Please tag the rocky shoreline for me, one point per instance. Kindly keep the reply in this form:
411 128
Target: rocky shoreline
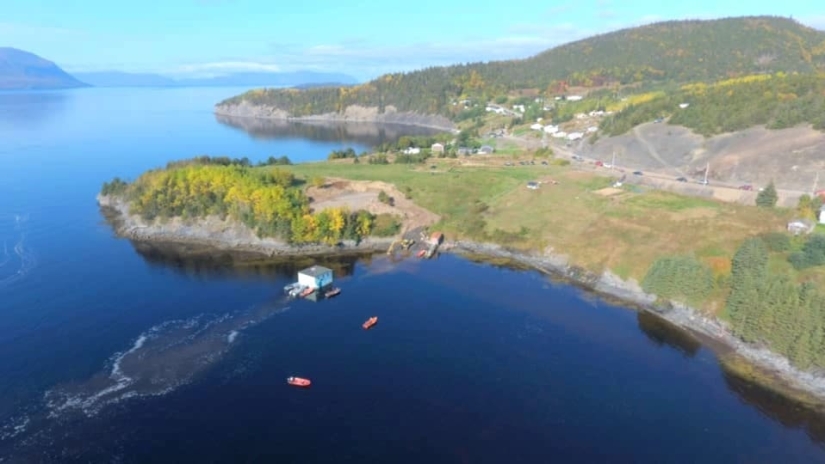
352 113
219 234
215 233
683 316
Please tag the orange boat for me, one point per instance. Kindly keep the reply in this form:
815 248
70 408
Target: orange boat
307 292
421 253
370 322
298 382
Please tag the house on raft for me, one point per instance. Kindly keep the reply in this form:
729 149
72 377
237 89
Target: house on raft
318 277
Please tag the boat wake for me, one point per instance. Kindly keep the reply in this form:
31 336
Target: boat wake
158 361
16 259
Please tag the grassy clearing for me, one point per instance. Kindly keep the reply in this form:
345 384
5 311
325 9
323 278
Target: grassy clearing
624 232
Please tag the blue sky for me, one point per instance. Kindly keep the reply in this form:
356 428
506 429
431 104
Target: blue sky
361 37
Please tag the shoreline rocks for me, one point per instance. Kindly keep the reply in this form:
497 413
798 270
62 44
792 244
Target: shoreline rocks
352 113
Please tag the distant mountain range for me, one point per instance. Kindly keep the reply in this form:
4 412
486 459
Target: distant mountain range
21 70
285 79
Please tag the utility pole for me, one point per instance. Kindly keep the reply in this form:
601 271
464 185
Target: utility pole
613 163
816 181
707 168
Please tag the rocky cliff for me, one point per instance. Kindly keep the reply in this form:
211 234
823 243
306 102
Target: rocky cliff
352 113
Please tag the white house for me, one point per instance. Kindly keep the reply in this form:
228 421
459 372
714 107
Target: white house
822 215
519 108
437 148
411 151
551 129
559 134
592 129
574 136
801 226
574 98
684 105
315 277
537 126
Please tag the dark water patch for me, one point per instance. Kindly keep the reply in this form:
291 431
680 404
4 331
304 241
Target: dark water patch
792 413
203 262
361 133
663 333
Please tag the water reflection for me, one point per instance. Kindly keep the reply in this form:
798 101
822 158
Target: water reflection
203 263
780 408
663 333
27 110
363 133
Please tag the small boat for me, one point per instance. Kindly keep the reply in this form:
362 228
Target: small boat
307 292
298 382
370 322
421 253
332 292
289 288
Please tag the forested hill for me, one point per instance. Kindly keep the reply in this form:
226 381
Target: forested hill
680 51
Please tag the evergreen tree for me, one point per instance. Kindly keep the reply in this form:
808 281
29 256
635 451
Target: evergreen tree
767 197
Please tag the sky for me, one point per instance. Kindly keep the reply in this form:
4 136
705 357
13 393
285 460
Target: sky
363 38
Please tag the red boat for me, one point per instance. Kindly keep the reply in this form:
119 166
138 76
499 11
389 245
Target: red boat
370 322
421 253
298 382
307 292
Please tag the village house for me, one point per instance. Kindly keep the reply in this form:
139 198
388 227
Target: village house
486 150
822 214
532 185
411 151
801 226
437 148
464 151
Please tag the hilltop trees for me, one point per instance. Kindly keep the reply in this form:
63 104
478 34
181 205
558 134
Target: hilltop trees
267 199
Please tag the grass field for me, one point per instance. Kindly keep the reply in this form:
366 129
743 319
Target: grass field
623 231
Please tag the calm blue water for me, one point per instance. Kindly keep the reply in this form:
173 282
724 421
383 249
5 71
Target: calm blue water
110 353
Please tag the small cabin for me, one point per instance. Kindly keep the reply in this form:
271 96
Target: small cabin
315 277
436 238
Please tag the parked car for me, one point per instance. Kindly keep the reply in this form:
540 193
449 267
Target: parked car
637 173
746 187
702 181
577 157
599 163
544 163
681 179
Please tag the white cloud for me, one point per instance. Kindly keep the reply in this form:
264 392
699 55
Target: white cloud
222 67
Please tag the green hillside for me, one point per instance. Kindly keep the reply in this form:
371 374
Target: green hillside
777 101
674 51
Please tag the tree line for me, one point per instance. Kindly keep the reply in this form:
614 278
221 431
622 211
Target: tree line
765 304
777 101
267 199
675 51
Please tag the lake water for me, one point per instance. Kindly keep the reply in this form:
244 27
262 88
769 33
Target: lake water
116 353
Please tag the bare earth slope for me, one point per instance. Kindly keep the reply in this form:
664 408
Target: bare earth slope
791 157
